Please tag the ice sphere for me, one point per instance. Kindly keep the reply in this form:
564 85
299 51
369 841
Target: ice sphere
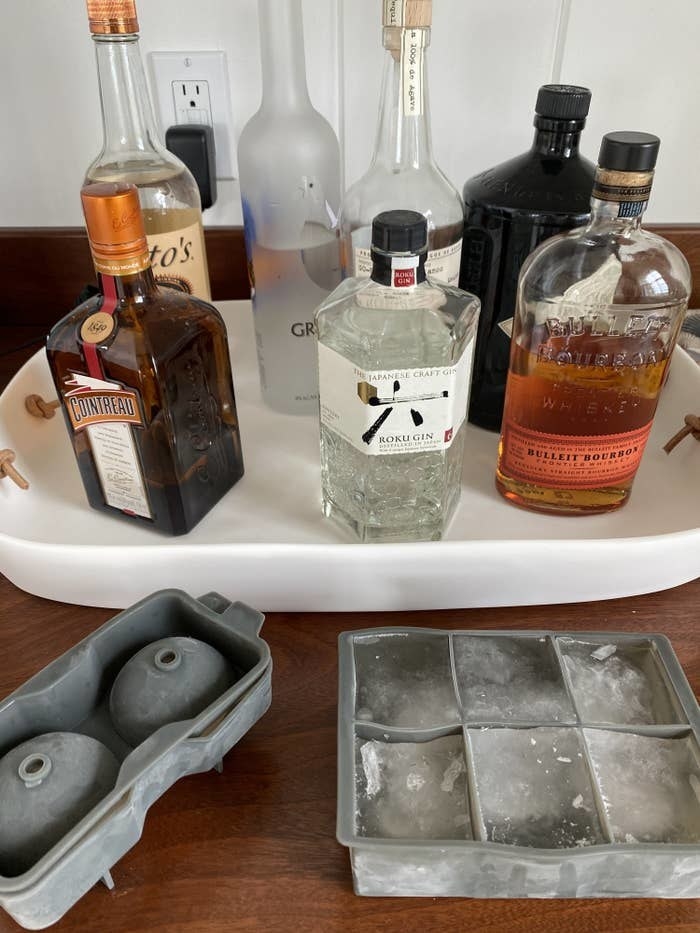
405 680
616 684
649 786
533 788
410 790
501 678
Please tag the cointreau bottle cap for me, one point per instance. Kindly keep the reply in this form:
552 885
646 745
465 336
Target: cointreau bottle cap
115 227
563 102
112 17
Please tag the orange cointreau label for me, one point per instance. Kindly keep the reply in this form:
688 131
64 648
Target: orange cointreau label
571 462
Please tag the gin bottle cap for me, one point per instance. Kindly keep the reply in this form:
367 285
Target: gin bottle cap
400 232
563 102
115 227
629 152
112 17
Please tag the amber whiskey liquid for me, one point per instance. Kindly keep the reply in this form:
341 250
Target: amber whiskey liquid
577 415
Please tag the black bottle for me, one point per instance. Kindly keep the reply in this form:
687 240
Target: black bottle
509 210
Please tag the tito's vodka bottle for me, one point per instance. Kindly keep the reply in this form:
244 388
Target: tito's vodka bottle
145 380
509 210
394 354
132 153
403 174
289 163
599 310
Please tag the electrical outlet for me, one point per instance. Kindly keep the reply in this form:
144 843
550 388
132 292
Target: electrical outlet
193 87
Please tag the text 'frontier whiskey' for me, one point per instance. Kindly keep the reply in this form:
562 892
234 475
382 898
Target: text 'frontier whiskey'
599 310
395 354
145 380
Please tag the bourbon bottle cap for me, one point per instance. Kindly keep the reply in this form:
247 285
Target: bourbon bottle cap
115 227
112 17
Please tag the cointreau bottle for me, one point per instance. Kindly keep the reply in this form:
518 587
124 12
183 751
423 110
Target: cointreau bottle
145 380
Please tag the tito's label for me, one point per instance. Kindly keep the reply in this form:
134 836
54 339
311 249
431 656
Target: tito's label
107 412
178 259
398 411
571 462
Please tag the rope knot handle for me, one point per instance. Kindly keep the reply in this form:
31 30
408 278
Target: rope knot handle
7 458
39 407
692 427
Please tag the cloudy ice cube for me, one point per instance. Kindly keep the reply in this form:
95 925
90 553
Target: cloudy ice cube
534 794
405 680
412 790
649 786
623 686
501 678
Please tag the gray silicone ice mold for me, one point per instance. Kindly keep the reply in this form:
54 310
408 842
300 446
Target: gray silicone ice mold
517 764
72 695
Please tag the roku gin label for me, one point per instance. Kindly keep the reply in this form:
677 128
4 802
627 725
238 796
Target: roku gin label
396 411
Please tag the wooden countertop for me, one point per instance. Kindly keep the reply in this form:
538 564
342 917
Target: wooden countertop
254 848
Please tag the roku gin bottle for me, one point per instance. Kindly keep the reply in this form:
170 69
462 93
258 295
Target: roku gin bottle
395 354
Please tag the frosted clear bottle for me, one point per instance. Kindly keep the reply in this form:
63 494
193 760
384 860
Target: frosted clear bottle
403 174
289 167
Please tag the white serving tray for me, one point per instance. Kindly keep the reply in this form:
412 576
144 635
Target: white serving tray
267 544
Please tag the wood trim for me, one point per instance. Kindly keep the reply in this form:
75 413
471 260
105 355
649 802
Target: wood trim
44 269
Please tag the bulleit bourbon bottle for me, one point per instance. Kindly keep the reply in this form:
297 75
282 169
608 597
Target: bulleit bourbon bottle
145 380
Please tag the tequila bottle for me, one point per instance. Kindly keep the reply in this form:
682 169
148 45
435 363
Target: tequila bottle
403 173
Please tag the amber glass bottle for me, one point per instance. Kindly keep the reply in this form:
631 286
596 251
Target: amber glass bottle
145 380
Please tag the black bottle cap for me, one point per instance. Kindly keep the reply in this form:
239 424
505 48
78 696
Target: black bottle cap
563 102
629 152
400 232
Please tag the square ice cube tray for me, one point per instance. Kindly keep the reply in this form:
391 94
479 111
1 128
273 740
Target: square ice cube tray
517 764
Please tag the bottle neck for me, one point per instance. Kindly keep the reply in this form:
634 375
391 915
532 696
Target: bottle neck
282 55
403 134
619 199
398 270
127 116
557 138
131 288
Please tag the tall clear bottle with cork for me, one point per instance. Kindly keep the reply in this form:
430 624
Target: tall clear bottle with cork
403 173
598 313
132 152
289 166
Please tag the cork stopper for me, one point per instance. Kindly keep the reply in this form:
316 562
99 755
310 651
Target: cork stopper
408 14
112 17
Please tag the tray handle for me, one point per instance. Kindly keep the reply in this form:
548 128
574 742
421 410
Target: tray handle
238 615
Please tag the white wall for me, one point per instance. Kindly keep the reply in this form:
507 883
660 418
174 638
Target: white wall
487 59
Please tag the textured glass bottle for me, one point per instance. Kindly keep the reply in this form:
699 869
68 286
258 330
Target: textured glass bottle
599 311
395 355
402 174
132 152
145 380
509 210
289 165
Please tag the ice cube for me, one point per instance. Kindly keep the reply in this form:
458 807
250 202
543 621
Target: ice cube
534 795
647 785
412 790
503 678
621 686
405 680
